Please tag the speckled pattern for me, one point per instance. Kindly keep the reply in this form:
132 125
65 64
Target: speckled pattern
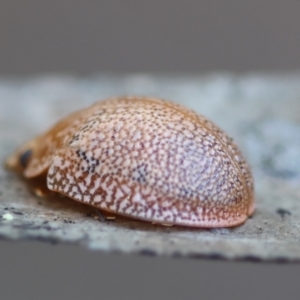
146 158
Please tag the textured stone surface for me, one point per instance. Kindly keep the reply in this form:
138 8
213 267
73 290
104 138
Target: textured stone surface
261 113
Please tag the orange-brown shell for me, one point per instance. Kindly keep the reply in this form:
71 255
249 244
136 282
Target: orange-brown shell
147 159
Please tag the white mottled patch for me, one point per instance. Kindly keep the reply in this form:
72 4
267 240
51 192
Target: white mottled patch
78 174
101 136
119 194
152 197
66 188
103 204
113 207
148 213
86 198
58 176
88 180
137 135
82 187
155 206
118 126
77 197
97 198
111 151
188 134
137 198
57 161
146 190
166 203
75 189
199 210
189 125
51 171
66 164
184 215
98 152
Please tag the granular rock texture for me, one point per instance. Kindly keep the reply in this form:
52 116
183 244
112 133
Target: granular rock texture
260 112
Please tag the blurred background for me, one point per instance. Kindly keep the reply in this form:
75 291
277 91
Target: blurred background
148 36
161 36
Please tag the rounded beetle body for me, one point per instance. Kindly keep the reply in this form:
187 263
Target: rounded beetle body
144 158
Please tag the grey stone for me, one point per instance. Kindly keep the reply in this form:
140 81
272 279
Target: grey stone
260 111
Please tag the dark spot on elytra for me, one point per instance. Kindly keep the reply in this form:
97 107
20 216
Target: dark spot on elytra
183 192
92 161
74 138
25 157
141 173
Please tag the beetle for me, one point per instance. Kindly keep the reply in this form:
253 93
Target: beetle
144 158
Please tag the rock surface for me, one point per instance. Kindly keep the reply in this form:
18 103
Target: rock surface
262 114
